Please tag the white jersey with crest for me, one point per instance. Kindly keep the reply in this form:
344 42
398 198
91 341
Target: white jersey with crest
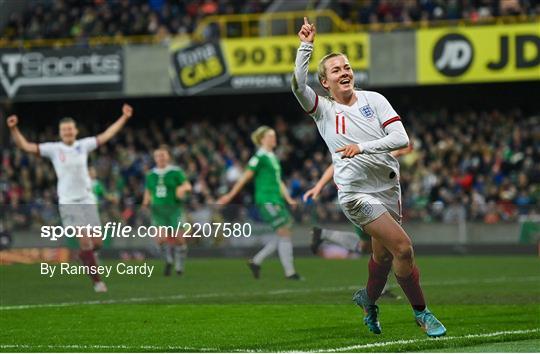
71 166
370 122
364 121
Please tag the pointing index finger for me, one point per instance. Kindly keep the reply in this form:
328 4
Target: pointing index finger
306 21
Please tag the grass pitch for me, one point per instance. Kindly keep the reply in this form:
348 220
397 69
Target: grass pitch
486 303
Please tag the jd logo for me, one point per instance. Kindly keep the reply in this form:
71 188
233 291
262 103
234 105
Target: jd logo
453 54
521 42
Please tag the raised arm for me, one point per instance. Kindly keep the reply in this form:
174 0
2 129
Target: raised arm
246 177
304 94
316 190
19 139
110 132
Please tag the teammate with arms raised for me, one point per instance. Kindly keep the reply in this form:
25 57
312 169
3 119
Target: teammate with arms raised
270 197
165 188
360 129
77 203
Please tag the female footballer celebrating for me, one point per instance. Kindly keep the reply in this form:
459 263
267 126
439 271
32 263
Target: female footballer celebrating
69 156
361 129
270 197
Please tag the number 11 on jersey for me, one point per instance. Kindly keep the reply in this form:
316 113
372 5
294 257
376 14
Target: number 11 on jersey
340 118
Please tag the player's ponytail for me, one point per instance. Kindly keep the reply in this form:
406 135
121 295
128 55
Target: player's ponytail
258 134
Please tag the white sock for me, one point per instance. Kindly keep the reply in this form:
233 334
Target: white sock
267 250
346 239
180 254
285 251
167 253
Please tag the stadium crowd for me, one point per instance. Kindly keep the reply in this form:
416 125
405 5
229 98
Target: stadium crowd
45 19
460 167
406 11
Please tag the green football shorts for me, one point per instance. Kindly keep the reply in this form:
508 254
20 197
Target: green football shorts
275 214
166 215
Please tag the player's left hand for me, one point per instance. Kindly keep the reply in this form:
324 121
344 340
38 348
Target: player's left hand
127 110
349 151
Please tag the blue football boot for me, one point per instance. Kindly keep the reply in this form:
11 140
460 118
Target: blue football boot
429 323
371 310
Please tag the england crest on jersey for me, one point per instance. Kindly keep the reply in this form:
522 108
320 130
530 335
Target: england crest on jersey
367 111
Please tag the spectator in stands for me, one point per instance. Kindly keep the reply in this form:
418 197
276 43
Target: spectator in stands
68 18
80 20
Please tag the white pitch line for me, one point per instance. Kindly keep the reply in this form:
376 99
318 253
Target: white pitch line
414 341
329 350
246 294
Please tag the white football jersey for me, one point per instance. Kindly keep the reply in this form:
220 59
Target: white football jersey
71 166
364 121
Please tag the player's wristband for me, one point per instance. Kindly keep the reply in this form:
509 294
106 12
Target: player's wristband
361 148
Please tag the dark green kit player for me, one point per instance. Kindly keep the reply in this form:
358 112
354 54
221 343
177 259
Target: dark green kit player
270 198
165 188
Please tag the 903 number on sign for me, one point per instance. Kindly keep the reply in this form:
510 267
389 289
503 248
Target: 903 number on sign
273 55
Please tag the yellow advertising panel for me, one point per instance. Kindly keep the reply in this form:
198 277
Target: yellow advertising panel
275 55
478 54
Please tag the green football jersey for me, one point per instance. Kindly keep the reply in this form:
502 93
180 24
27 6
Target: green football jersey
267 177
162 184
98 188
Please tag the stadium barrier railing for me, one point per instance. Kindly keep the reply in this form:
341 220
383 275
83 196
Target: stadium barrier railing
327 21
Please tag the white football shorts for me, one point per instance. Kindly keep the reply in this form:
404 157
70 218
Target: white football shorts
80 214
363 208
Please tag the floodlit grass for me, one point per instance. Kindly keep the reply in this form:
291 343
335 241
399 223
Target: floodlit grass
486 303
